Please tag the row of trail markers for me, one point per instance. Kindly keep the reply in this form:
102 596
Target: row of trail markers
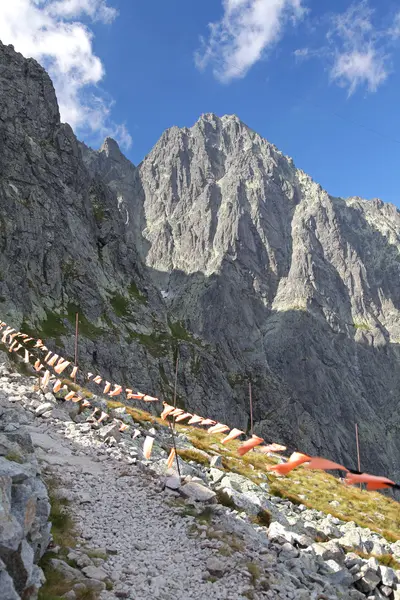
252 432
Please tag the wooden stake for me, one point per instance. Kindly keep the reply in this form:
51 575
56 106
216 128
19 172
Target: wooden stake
176 454
251 409
358 453
76 341
176 376
172 425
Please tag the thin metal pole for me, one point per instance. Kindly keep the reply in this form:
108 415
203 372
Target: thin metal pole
76 341
358 452
172 425
251 409
176 376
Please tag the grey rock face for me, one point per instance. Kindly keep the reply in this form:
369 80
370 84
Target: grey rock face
215 245
24 514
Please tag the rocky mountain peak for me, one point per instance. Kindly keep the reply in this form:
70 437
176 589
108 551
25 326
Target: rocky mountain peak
112 150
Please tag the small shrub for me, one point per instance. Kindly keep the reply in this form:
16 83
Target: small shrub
189 454
120 305
263 518
224 499
254 571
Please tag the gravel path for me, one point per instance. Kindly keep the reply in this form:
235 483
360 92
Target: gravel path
156 551
148 542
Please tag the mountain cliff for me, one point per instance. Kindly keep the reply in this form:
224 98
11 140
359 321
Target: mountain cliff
216 249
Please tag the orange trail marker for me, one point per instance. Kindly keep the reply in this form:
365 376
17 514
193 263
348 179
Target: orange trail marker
57 385
61 367
147 447
168 409
373 482
176 412
324 464
232 435
6 333
116 391
45 379
249 444
195 419
52 360
137 396
182 417
207 422
295 460
171 458
218 428
147 398
272 448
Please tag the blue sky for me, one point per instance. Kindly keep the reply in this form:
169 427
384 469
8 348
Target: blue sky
318 79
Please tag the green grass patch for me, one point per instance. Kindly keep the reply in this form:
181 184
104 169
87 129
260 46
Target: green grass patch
362 325
14 457
98 211
85 327
135 293
254 571
120 305
157 344
96 554
193 454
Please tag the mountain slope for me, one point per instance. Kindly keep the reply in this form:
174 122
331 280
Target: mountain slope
216 246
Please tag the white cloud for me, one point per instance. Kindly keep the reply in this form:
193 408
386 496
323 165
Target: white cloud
95 9
394 31
48 30
301 53
357 67
247 29
358 49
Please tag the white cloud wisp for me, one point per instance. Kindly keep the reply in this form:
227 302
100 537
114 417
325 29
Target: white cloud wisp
50 32
358 49
246 31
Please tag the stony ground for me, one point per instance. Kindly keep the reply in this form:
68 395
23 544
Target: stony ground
138 539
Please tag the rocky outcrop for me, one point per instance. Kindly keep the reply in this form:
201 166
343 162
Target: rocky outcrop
24 506
215 246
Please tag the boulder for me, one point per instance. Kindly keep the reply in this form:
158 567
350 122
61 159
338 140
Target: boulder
43 408
216 567
197 492
388 576
110 431
95 573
